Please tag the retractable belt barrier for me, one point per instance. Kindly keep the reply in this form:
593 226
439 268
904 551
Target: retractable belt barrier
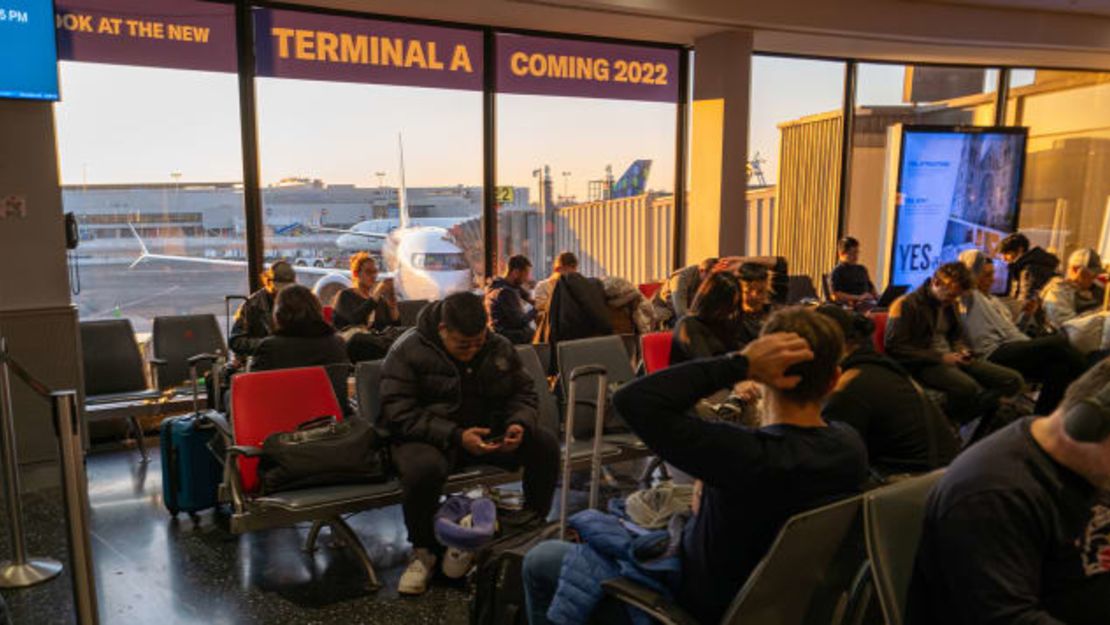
22 571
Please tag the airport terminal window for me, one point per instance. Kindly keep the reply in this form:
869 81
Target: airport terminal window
150 161
1066 191
590 172
332 126
887 94
793 151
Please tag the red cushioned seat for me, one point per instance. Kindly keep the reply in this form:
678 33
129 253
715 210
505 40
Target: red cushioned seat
649 289
879 318
656 348
265 402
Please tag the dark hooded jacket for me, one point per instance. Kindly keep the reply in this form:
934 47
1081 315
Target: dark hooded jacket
1030 273
694 337
253 322
912 325
429 397
577 311
507 314
876 397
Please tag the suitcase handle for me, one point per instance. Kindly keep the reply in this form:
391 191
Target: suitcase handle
194 362
599 425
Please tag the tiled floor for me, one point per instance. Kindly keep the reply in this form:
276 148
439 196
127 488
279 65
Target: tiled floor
151 569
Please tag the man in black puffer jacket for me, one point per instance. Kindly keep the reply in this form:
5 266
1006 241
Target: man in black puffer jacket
450 390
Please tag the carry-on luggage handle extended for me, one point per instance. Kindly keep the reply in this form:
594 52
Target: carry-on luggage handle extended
194 362
599 425
227 311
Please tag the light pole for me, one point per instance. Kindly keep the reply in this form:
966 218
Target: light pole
566 177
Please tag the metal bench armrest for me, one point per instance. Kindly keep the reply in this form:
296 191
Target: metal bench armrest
247 451
199 358
239 496
648 600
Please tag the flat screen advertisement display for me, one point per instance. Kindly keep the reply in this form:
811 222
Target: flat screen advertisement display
28 52
958 188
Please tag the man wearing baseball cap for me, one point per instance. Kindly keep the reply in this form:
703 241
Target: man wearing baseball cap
1075 294
254 319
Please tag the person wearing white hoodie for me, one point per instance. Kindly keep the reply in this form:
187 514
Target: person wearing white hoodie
1050 359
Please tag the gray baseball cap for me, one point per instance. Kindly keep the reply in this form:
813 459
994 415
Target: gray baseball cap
1086 257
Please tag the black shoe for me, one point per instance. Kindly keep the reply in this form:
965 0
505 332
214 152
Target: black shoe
520 520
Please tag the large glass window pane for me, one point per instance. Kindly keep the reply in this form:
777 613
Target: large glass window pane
1066 193
907 94
590 172
333 125
794 154
150 162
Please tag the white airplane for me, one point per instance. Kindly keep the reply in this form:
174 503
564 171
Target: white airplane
424 261
364 236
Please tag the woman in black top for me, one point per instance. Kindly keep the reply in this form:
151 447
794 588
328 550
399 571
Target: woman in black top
903 431
709 328
302 338
369 303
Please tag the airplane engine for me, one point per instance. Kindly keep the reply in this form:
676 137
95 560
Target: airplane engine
329 286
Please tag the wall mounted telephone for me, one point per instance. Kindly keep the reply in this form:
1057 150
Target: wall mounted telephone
72 235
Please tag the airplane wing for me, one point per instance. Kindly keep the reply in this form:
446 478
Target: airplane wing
145 254
369 235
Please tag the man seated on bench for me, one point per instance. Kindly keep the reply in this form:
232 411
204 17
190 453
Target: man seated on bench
754 479
925 333
454 394
255 318
1018 528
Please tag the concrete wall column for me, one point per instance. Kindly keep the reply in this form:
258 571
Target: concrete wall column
716 216
36 315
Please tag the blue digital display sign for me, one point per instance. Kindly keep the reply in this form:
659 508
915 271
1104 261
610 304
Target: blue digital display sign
28 52
958 188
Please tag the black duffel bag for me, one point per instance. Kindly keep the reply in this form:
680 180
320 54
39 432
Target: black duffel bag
322 452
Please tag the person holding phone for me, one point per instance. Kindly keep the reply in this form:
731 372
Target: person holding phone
455 394
370 303
925 334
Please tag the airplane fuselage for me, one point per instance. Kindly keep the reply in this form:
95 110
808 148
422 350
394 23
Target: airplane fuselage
426 263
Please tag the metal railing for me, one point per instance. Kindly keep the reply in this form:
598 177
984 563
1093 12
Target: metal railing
22 570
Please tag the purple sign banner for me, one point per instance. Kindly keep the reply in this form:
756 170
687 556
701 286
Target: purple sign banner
179 34
314 46
586 69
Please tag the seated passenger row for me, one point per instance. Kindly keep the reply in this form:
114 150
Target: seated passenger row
454 394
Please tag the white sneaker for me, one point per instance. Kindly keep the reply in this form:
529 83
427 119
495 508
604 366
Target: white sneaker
456 562
414 581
